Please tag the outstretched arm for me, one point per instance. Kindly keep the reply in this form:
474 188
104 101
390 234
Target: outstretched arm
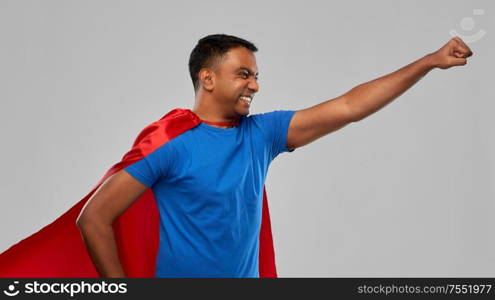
312 123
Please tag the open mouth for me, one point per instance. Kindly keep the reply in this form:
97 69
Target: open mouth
246 99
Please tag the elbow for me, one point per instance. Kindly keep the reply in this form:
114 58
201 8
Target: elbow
356 114
81 220
84 219
356 118
88 220
352 111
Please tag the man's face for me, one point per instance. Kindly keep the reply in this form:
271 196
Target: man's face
236 81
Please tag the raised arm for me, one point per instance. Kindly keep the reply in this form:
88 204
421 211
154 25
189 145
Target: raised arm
312 123
111 199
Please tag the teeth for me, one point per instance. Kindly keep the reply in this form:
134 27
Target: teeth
246 98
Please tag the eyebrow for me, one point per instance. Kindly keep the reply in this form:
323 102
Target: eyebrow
248 70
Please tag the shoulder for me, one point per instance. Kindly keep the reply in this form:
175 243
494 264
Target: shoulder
272 120
271 115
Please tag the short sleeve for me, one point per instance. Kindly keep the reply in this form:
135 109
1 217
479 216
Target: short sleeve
275 125
153 167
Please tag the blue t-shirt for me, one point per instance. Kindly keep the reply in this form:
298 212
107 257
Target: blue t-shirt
208 184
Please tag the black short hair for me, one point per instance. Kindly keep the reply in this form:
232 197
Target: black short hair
210 49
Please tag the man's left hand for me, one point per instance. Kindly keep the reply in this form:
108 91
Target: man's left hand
454 53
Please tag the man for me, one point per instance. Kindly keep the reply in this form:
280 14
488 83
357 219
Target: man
208 182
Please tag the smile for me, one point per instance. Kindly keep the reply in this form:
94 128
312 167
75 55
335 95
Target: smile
246 99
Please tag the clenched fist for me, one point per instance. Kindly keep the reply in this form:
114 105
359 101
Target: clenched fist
454 53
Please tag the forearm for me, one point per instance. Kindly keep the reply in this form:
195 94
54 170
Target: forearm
101 245
367 98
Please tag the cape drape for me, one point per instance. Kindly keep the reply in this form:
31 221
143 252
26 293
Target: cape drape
58 250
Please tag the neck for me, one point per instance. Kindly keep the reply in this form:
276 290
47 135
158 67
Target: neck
208 111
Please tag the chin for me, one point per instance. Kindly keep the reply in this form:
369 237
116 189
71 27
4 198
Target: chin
242 111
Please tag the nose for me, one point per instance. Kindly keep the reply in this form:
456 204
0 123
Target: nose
253 85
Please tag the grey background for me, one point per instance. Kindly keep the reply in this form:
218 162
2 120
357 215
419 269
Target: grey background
408 191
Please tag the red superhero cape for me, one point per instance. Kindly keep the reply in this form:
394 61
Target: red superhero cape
57 250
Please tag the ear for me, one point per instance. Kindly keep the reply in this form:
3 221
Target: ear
207 79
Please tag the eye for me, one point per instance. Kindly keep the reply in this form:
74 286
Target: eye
244 75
